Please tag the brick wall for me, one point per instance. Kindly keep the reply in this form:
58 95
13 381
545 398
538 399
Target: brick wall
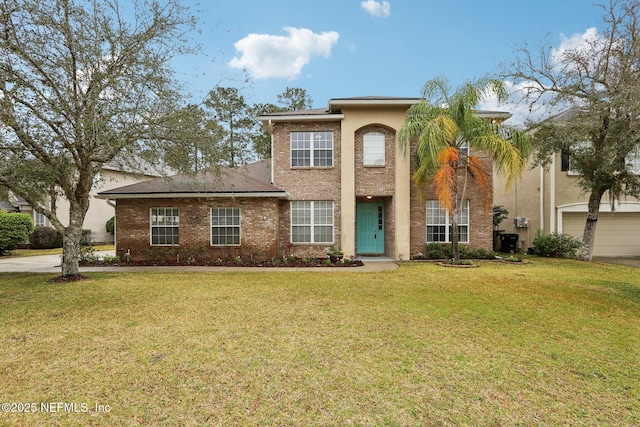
375 180
308 183
258 220
480 220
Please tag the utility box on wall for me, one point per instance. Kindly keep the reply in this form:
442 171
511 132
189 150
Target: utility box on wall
520 222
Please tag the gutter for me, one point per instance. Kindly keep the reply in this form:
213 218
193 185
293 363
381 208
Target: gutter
280 195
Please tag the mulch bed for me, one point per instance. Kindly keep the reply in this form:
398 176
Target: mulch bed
278 262
68 279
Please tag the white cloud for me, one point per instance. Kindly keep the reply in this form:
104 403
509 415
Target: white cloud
266 56
518 105
585 45
378 9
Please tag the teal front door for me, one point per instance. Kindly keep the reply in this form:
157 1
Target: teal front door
370 228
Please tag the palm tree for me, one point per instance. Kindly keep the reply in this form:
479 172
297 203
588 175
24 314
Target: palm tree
444 122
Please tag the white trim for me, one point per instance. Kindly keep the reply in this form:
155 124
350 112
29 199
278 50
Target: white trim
447 223
541 226
239 226
303 117
151 226
552 197
605 207
313 224
311 149
370 146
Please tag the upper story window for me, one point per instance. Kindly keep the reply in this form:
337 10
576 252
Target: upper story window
311 149
373 149
464 150
633 160
165 226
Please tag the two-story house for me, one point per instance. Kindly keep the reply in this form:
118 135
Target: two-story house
550 200
336 177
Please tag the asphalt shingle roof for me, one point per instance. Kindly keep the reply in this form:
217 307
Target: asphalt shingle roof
252 178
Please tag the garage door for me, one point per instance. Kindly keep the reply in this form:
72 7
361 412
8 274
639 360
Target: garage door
617 233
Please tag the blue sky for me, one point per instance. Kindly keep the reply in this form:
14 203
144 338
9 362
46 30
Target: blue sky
344 48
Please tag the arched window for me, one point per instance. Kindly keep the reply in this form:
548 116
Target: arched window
373 149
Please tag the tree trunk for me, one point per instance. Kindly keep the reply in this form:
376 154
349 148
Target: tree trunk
455 247
589 235
71 243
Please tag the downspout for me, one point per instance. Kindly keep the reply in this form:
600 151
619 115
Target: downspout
552 196
271 135
542 199
115 229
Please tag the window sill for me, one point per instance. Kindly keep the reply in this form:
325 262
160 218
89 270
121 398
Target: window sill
311 167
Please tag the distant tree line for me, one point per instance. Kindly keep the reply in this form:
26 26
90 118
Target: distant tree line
224 130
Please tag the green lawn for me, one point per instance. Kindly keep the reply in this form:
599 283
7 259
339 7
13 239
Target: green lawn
556 342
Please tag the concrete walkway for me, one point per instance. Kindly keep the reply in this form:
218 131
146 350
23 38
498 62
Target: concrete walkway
51 264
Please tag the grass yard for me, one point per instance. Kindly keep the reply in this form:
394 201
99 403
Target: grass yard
556 342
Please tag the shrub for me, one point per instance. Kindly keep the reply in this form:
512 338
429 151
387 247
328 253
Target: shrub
482 253
111 225
43 238
443 251
499 215
556 245
434 251
88 254
14 229
85 240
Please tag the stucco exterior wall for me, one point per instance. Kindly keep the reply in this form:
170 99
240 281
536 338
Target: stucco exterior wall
99 211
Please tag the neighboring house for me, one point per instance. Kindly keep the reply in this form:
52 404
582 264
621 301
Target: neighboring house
335 177
100 211
550 200
15 203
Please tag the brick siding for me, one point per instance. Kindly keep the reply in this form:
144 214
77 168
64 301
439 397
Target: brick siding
258 220
305 183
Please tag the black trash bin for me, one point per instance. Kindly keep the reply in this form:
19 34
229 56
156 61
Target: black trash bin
508 242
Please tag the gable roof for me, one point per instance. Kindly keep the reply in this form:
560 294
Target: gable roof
253 180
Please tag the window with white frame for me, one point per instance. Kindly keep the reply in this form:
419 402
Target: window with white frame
165 226
40 220
225 226
373 149
439 224
311 149
633 160
312 222
464 150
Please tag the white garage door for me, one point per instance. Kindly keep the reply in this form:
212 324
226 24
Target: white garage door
617 233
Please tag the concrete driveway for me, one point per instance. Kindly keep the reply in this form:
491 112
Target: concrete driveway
36 264
628 261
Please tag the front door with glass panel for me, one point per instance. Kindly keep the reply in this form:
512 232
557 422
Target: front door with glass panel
370 228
